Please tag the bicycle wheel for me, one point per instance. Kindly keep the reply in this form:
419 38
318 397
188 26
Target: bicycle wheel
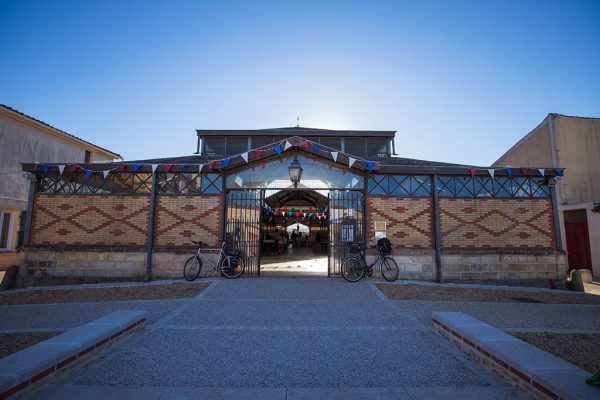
389 269
192 268
233 267
353 269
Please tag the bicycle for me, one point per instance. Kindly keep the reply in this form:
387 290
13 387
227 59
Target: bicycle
231 265
354 266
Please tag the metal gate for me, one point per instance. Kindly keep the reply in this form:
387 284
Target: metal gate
346 226
242 225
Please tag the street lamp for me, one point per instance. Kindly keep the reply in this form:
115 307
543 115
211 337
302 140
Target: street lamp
295 171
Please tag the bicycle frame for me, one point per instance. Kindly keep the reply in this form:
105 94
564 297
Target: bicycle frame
222 255
361 256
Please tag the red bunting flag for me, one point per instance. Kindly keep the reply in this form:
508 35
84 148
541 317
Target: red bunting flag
168 167
297 213
310 209
74 167
211 164
122 167
306 144
274 211
258 153
473 172
524 171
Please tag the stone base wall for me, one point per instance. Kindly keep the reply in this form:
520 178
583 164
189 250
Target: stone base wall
64 267
504 267
413 267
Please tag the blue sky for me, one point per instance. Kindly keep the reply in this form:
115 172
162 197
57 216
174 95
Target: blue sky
461 81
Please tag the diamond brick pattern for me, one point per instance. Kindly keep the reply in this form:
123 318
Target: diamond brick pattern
409 220
83 220
181 218
496 223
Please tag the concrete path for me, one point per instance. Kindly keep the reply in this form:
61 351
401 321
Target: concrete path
282 338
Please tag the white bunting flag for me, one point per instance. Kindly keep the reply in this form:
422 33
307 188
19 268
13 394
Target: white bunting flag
351 161
200 167
492 171
334 154
154 166
542 171
245 156
105 173
61 168
287 145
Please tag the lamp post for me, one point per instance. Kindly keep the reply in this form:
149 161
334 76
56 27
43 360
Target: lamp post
295 171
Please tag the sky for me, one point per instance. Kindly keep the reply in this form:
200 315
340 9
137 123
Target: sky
460 81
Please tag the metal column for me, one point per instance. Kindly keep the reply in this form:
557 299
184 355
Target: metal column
149 250
436 226
557 234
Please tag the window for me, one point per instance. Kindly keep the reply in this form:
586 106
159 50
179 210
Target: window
88 156
236 145
214 146
4 231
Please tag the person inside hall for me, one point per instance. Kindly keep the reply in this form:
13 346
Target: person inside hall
294 237
276 238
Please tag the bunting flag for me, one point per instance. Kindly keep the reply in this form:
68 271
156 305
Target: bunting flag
122 167
136 167
258 153
370 164
287 145
351 161
559 172
334 155
509 171
200 168
524 171
297 214
473 172
542 171
211 164
277 149
306 144
168 167
304 215
61 169
226 162
492 171
245 156
154 166
105 173
88 172
46 168
316 148
274 211
186 165
324 216
74 167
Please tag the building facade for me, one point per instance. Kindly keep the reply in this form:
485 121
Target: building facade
447 222
574 144
26 139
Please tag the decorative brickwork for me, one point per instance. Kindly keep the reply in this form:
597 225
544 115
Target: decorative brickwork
88 220
496 223
181 218
409 220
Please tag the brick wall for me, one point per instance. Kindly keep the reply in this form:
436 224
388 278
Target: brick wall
409 220
181 218
86 220
496 223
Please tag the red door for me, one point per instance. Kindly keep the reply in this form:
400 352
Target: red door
578 242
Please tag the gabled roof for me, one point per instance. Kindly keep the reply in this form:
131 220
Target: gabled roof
291 131
57 132
382 165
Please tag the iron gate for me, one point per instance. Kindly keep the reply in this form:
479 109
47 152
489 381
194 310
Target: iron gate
346 226
242 225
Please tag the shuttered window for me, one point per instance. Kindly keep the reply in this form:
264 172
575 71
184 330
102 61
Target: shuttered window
214 146
236 145
259 141
377 146
356 146
333 142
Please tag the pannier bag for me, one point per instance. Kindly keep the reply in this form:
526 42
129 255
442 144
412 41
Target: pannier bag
385 246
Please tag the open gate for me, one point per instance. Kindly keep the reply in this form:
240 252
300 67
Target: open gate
346 226
242 225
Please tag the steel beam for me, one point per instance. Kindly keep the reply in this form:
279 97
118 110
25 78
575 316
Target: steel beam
436 225
150 248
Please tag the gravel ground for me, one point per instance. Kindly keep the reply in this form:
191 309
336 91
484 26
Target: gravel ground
147 292
580 349
13 342
444 293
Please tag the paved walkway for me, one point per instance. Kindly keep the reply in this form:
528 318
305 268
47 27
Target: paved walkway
278 338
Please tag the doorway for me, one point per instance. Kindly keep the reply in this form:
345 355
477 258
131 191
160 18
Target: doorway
294 238
578 241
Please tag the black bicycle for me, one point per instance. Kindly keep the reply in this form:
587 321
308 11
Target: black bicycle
354 266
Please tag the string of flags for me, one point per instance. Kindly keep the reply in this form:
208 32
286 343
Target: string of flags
312 213
277 148
258 153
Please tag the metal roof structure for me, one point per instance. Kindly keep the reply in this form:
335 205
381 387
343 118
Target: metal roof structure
293 131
